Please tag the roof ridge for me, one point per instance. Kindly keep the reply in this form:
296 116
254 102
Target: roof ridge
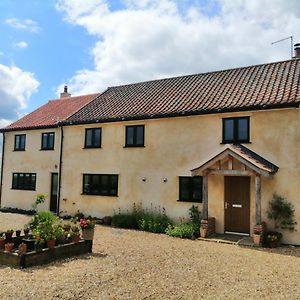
72 97
203 73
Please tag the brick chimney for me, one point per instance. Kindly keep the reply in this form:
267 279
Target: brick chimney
297 50
65 93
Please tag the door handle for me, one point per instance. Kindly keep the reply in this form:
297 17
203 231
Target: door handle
226 205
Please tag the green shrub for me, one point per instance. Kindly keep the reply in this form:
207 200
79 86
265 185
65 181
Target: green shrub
42 217
125 220
195 217
154 221
184 231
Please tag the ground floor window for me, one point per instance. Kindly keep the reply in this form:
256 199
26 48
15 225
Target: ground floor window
100 184
190 189
24 181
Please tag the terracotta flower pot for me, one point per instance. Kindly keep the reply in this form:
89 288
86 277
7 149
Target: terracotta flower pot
51 244
9 247
76 238
22 249
88 234
256 239
2 243
203 232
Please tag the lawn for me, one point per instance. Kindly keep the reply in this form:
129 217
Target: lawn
137 265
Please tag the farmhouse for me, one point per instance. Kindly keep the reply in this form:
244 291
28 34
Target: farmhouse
225 141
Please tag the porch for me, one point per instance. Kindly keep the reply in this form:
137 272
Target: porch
242 170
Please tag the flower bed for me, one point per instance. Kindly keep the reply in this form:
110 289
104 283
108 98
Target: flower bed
43 256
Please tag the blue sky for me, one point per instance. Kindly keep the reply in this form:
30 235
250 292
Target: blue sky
93 44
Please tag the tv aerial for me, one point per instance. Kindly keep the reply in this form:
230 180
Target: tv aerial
287 38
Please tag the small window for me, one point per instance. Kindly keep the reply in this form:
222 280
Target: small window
135 136
100 184
92 138
48 141
20 142
24 181
236 130
190 189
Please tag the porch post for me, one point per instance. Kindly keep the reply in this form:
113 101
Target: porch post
205 197
258 199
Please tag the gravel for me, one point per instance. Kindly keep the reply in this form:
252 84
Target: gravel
137 265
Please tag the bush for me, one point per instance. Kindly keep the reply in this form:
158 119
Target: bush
154 221
184 231
125 220
282 213
195 217
42 217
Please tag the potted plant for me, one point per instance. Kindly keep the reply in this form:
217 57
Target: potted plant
66 227
75 234
8 234
60 234
18 233
22 249
273 239
26 230
282 213
39 244
51 242
9 247
88 228
257 235
203 230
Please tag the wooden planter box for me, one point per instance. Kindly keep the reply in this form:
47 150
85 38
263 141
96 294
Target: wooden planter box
45 256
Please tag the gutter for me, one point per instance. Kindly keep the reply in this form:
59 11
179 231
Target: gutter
60 168
2 163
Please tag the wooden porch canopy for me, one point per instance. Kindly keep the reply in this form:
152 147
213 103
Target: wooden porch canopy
236 160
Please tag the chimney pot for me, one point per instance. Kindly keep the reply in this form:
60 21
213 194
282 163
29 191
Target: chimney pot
297 50
65 92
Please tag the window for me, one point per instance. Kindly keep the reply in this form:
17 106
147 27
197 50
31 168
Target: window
135 136
92 138
236 130
100 184
48 141
24 181
20 142
190 189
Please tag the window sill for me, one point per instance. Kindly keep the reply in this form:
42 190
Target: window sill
18 150
29 190
199 201
134 146
84 194
92 147
235 142
45 149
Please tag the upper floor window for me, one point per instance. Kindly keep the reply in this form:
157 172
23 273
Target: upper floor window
190 189
92 138
48 141
135 136
236 130
20 142
100 184
24 181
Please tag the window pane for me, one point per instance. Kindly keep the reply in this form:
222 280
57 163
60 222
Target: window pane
33 181
243 129
140 135
184 188
197 188
86 184
23 139
15 180
129 135
229 130
44 141
51 141
95 185
104 184
113 185
88 138
97 134
17 142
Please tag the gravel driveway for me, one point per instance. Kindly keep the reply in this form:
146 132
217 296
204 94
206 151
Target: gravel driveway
138 265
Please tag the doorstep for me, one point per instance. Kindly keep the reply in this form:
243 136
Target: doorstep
231 239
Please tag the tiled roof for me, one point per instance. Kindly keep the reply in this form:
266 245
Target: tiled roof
51 113
244 155
255 87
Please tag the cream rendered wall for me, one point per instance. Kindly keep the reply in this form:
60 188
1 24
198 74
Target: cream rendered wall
173 147
32 160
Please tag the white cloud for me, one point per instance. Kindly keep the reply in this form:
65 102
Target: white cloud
161 38
26 25
21 45
16 88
